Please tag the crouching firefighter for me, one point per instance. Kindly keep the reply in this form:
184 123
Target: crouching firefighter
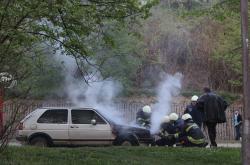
166 129
191 136
143 117
173 125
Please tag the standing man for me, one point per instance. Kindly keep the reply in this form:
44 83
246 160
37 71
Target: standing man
237 121
213 108
193 111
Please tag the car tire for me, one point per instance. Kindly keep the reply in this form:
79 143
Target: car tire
127 141
39 142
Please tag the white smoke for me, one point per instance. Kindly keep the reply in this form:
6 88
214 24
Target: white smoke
168 88
100 94
97 94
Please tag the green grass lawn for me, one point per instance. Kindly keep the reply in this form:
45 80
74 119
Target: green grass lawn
119 156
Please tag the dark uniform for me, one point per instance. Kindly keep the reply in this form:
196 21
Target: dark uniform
191 136
143 119
167 132
213 108
195 113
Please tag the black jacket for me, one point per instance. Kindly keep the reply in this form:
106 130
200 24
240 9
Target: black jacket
213 108
192 130
143 119
195 113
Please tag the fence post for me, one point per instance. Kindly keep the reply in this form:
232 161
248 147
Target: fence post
1 110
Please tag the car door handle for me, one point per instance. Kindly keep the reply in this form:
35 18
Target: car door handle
74 126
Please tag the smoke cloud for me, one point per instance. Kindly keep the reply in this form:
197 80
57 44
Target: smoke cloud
100 94
168 88
97 94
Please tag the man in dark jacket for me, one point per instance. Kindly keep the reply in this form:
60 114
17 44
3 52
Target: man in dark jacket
213 108
191 136
194 112
237 121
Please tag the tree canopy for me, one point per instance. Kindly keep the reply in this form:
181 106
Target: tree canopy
68 25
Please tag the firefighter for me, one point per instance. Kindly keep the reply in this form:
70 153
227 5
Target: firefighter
191 136
166 129
194 112
143 116
176 122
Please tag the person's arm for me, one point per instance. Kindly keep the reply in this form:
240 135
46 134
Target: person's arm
186 110
240 119
223 103
200 103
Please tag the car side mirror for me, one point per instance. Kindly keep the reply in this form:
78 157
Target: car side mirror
93 122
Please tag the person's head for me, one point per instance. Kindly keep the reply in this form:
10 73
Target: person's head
186 117
236 112
206 90
173 117
146 109
194 99
165 119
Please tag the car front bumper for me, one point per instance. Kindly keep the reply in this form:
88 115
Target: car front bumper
22 138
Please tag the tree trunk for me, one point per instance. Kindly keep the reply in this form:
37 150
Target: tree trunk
246 84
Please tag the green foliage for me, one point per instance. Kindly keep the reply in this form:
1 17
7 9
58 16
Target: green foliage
120 155
43 77
70 26
190 93
229 97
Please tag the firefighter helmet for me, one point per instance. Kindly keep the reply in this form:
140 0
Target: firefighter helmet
194 98
186 116
146 109
165 119
173 116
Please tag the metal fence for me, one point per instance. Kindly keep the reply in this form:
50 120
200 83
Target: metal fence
225 131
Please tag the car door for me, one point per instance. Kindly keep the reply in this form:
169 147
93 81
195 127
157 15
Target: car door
81 131
54 122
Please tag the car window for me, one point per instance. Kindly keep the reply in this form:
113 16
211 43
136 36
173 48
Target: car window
85 117
59 116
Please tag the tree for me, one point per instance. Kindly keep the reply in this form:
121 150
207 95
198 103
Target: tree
64 24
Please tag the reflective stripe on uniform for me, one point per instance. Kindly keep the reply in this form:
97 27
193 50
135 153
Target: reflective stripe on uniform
196 141
191 126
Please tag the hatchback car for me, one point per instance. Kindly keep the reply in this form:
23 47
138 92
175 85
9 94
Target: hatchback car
77 126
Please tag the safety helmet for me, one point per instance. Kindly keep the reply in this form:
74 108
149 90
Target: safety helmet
194 98
146 109
165 119
186 116
173 116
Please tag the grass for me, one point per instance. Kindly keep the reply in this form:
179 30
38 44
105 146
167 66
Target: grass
119 156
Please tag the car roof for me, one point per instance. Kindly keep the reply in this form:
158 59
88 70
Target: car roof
75 108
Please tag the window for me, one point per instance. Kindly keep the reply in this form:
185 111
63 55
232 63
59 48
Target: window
59 116
85 117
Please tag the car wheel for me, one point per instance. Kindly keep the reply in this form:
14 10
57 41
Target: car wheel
39 142
126 143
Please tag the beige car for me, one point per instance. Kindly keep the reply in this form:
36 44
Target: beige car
76 126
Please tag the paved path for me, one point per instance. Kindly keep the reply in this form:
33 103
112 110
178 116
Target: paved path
232 145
